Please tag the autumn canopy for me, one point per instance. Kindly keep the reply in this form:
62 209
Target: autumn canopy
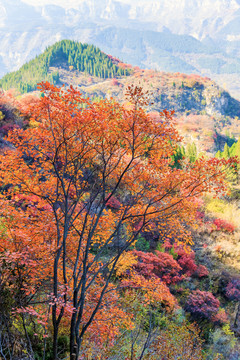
78 187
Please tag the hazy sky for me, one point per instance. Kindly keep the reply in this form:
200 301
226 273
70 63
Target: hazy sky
75 3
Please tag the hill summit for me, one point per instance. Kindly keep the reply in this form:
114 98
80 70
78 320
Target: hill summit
66 53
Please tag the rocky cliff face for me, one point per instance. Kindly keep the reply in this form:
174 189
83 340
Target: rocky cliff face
182 93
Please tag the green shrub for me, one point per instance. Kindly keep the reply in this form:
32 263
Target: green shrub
142 244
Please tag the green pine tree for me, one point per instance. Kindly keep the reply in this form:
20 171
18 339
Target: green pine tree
226 152
191 152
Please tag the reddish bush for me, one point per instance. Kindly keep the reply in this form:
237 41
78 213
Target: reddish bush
187 262
233 289
220 318
161 265
26 101
201 271
123 65
167 245
114 82
137 68
222 225
200 215
202 304
30 201
20 199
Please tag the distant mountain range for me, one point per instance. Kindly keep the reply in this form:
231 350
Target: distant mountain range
189 36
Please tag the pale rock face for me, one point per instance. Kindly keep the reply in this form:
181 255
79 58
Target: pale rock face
192 17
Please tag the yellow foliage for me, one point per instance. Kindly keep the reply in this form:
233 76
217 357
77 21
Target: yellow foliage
33 123
226 329
225 210
216 206
2 116
126 261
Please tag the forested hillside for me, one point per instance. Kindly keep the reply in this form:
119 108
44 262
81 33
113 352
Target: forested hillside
205 113
71 54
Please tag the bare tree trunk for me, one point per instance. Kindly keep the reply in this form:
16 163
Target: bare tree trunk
73 346
236 321
55 334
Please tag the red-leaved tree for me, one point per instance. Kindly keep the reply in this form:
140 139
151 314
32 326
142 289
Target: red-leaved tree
97 170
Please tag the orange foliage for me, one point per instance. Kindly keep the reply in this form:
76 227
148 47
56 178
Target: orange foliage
76 158
155 292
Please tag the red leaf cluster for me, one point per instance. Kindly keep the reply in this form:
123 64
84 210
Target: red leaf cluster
233 290
201 271
222 225
161 265
187 262
113 203
202 304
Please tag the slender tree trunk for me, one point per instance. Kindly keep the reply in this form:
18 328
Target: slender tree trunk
236 321
79 343
55 334
56 319
73 346
26 335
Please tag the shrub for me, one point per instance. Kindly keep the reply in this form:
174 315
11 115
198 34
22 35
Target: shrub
201 271
202 304
142 244
114 82
200 215
220 318
187 262
222 225
160 264
223 343
177 342
6 128
233 290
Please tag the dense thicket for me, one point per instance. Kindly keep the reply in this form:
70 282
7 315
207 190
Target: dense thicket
82 57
